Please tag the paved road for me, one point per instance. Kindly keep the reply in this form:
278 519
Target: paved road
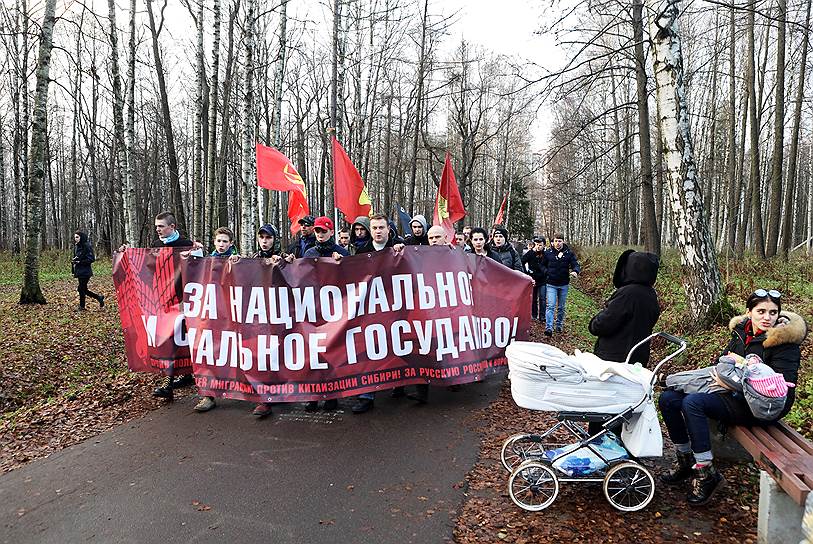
177 476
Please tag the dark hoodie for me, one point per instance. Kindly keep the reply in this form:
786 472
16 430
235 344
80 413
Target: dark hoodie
83 257
506 254
357 243
422 240
325 249
631 312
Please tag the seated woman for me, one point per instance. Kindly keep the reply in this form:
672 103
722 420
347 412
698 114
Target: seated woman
765 331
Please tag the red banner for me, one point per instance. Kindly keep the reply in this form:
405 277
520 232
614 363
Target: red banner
149 292
318 329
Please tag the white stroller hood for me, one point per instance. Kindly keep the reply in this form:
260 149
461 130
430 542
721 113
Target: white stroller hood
544 377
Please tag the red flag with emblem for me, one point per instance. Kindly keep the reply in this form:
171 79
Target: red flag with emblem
349 194
275 172
500 214
448 204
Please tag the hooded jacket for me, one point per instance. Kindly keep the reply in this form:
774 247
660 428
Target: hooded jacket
558 264
631 312
355 242
83 257
506 254
325 249
779 349
423 240
275 248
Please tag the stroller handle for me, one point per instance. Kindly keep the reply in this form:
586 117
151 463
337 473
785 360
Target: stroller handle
672 339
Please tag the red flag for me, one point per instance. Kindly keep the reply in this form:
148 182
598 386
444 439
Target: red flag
448 204
499 218
276 173
349 192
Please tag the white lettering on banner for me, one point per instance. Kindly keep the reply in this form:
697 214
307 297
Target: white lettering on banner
399 347
330 303
278 307
268 352
356 292
294 351
445 335
478 341
378 297
502 332
256 309
315 347
204 348
466 336
304 304
209 309
228 349
424 332
236 302
178 335
514 328
190 335
350 344
485 333
464 286
195 291
446 289
245 355
375 341
402 292
426 295
150 325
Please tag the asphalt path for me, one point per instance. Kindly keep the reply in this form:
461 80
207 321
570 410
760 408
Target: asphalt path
394 474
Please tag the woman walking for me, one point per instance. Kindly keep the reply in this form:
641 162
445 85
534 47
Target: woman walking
83 258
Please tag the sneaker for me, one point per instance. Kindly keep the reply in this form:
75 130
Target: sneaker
101 301
262 410
558 329
184 381
363 405
705 482
330 405
164 391
312 406
548 332
205 404
398 392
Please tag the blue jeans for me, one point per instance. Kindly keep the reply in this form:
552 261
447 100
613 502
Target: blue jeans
555 293
686 417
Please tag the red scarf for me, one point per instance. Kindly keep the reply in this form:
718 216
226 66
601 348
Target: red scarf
749 332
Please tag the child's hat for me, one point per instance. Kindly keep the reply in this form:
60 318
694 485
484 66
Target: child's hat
773 386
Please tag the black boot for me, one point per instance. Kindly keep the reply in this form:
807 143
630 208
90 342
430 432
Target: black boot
164 391
705 482
421 394
312 406
681 469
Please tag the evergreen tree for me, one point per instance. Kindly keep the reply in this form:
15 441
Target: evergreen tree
520 219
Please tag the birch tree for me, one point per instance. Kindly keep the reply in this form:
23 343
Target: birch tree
248 155
31 292
701 276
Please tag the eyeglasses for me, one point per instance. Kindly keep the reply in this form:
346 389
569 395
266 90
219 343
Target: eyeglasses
773 293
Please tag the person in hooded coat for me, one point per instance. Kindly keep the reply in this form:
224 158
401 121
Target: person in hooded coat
359 234
81 262
631 312
504 251
420 229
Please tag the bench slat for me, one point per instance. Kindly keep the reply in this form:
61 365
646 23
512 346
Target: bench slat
767 440
797 438
778 434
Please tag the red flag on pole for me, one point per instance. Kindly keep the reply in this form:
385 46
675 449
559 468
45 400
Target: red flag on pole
275 172
349 192
500 218
448 204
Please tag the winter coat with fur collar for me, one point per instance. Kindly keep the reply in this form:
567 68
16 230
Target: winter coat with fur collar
778 347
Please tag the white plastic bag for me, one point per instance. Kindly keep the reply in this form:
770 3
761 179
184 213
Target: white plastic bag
642 434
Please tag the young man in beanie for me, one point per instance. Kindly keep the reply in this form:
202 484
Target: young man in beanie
560 264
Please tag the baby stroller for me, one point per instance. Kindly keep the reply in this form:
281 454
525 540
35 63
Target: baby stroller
583 388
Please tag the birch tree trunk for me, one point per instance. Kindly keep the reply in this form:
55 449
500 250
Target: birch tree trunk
31 292
733 203
212 180
197 138
130 195
118 130
701 276
248 165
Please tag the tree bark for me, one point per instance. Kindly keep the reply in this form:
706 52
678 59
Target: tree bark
198 185
248 157
777 162
701 276
128 205
213 189
31 292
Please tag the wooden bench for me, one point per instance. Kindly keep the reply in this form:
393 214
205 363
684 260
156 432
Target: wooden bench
786 460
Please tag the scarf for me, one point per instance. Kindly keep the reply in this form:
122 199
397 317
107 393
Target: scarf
171 238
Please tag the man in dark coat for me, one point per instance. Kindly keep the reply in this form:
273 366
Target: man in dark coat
631 312
419 232
506 254
533 263
305 239
560 264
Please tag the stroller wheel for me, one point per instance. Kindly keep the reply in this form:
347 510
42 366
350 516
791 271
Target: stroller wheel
629 487
519 448
533 486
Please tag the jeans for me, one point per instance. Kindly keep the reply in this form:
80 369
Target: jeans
556 294
538 301
686 417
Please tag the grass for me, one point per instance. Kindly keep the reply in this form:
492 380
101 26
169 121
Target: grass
54 265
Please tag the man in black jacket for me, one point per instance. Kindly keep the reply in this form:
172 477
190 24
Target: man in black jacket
302 242
533 261
631 312
560 265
